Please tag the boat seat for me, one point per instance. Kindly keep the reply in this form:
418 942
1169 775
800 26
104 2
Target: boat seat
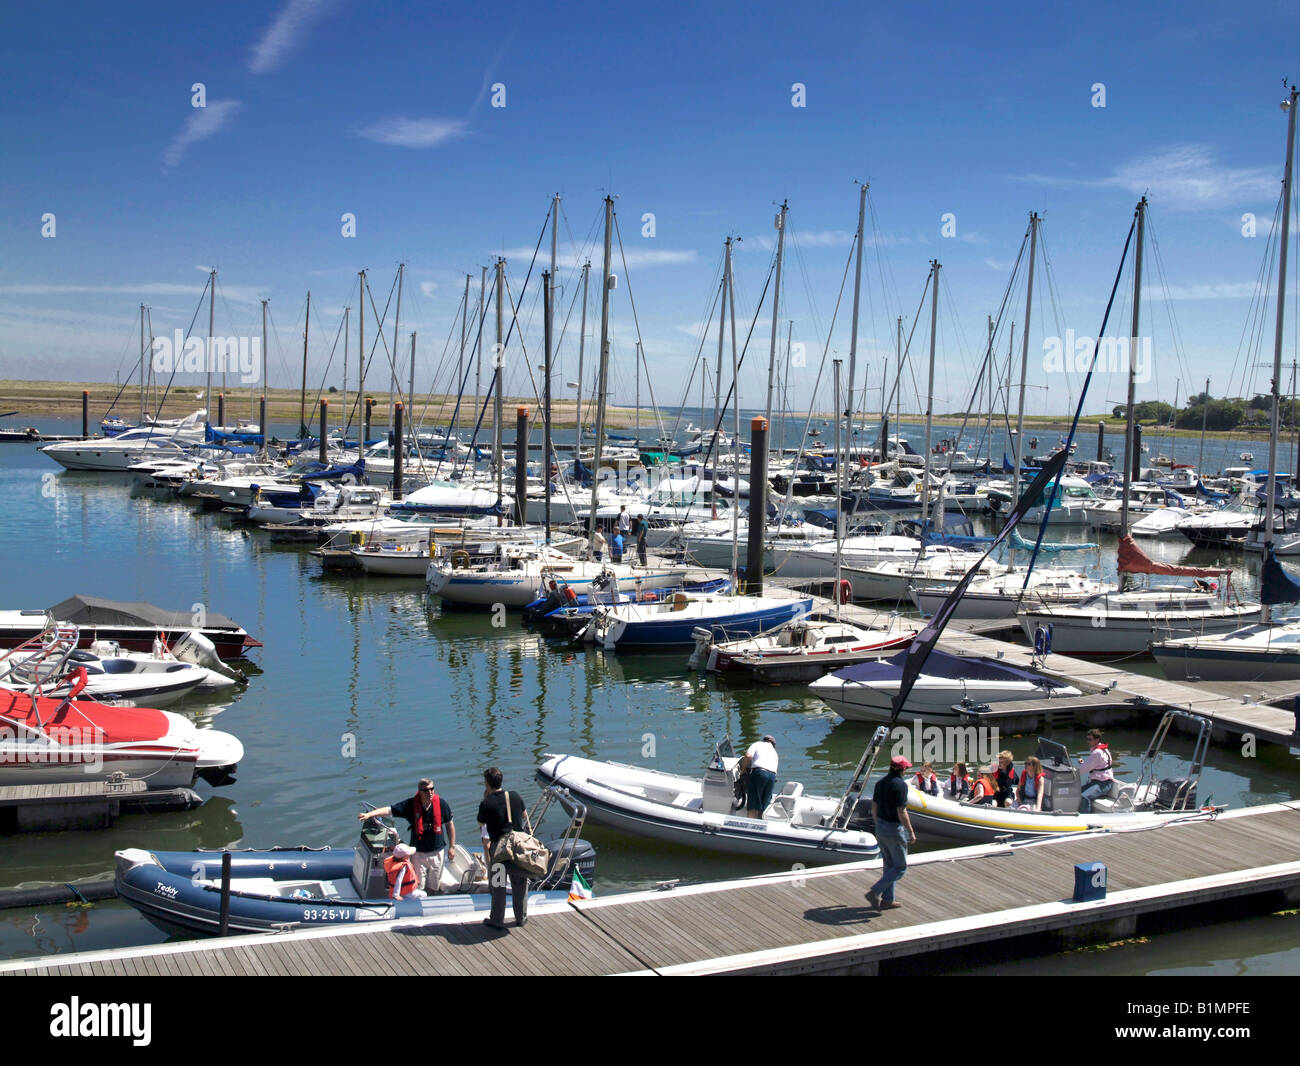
1104 805
792 788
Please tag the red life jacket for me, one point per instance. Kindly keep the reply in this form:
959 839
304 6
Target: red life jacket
419 814
959 786
923 785
1037 779
393 866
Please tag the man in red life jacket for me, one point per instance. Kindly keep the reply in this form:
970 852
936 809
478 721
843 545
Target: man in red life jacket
1095 772
432 832
401 872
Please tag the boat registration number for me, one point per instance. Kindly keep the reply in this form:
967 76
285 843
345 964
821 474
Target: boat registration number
326 914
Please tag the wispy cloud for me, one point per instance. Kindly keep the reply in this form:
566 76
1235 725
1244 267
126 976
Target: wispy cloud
413 132
284 34
571 257
428 287
1218 290
235 293
999 264
200 124
1185 177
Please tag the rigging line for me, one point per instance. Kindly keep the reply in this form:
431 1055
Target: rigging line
131 339
1257 303
636 324
176 362
437 371
471 367
380 322
821 369
1049 496
726 403
707 322
320 390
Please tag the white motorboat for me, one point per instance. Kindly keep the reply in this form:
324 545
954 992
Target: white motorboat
47 741
1005 594
518 574
1148 802
807 648
894 580
866 692
120 452
703 812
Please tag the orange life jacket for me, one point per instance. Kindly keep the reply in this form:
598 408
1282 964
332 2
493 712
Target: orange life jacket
393 866
990 787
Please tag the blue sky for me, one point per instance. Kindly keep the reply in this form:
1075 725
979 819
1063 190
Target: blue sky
386 111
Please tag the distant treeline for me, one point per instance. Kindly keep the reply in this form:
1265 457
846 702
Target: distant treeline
1225 413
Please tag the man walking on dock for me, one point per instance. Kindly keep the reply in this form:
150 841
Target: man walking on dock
893 832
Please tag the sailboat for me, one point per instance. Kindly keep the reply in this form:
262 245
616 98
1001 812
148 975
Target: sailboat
1268 650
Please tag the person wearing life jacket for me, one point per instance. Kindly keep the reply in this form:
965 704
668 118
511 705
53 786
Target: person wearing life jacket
926 780
959 783
432 832
1029 795
1006 779
1095 772
984 789
400 872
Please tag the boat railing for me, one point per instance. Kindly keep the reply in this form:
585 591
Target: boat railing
564 854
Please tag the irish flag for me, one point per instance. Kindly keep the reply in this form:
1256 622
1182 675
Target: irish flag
579 889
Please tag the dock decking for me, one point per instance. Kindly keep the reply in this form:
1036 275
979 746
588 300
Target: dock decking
803 921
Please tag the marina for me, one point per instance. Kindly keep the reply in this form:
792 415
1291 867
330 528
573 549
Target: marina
480 515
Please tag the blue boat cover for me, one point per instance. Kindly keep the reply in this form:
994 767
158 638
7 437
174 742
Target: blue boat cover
1275 584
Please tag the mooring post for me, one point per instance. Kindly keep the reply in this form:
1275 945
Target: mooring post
399 450
1101 441
521 465
757 504
221 408
223 923
85 413
324 428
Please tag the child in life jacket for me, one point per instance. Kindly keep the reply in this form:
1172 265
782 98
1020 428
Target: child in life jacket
959 783
1029 795
984 789
400 872
926 780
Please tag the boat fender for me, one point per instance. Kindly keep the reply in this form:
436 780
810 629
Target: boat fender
844 592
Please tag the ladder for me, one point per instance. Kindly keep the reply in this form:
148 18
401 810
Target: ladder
848 804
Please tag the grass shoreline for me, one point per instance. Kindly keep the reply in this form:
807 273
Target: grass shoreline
62 399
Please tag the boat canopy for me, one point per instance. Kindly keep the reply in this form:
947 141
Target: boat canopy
95 611
944 665
1275 584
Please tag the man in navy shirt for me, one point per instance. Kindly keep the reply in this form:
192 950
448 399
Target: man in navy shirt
432 831
893 832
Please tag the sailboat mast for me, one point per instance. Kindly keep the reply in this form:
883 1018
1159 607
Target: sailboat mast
360 358
602 375
839 490
498 367
929 402
142 380
853 329
776 309
393 387
361 444
1205 417
582 348
1024 357
460 364
1132 379
212 294
735 447
261 428
482 315
1290 106
302 391
713 450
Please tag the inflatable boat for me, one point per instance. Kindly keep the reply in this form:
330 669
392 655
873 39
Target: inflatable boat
704 812
286 888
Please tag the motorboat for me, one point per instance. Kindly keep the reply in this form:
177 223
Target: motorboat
806 648
704 812
866 692
518 574
278 889
133 625
674 621
49 664
1148 802
129 446
55 741
1003 595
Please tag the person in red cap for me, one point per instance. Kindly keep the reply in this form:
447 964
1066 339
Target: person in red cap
893 832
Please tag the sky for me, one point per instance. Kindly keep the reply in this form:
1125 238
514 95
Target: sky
443 132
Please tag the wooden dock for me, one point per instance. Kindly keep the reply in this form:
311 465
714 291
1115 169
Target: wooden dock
804 921
69 805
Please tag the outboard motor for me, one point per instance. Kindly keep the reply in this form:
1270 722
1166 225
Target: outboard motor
580 854
1176 794
193 647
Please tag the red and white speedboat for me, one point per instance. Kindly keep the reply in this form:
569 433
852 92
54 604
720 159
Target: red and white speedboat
807 648
53 741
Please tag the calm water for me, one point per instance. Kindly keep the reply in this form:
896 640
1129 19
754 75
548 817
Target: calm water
375 666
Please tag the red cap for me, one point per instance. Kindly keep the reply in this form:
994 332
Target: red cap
900 762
